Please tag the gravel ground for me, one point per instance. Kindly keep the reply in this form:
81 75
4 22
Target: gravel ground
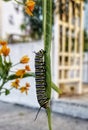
15 117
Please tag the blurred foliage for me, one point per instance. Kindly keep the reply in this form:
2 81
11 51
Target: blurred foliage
85 40
86 1
33 25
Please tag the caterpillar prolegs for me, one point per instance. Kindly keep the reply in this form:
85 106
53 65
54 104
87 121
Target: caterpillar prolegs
40 78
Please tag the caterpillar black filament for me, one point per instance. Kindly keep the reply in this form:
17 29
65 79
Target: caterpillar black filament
40 78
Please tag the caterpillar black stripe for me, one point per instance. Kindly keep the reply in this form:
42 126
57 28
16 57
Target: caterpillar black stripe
40 79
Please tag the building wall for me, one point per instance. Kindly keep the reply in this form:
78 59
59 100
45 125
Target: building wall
10 19
68 45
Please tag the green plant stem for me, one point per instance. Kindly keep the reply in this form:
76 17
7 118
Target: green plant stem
19 2
47 27
48 111
15 64
1 86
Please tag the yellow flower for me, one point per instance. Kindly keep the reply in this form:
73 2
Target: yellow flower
25 88
20 73
15 83
27 67
24 59
29 7
3 43
5 50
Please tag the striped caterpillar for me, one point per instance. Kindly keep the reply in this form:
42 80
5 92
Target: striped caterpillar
40 78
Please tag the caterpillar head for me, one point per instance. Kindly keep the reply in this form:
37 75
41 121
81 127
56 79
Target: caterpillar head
40 53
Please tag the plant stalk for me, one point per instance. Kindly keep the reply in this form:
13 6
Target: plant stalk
47 28
48 111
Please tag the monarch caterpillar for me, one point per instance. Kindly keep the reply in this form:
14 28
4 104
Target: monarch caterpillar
40 78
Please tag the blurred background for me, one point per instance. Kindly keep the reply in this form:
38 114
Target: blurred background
69 47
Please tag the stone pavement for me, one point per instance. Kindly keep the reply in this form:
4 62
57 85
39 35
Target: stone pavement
72 107
17 117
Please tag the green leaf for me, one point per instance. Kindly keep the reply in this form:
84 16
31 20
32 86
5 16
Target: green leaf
13 76
57 89
7 92
6 0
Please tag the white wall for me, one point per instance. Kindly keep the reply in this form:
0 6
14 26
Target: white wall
17 51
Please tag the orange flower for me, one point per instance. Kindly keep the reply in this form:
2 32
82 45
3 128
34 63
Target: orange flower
27 67
25 88
20 73
3 43
30 4
5 50
15 84
27 85
24 59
